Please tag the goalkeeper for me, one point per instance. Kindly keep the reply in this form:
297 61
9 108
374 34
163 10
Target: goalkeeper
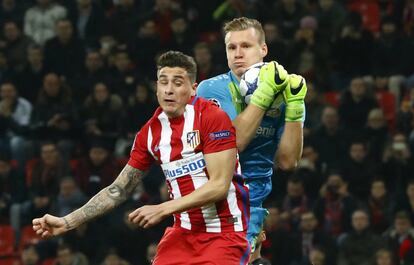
273 119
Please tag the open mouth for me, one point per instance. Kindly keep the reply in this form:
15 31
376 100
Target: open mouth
169 100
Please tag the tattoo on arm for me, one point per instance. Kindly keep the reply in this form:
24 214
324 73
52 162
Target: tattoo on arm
108 198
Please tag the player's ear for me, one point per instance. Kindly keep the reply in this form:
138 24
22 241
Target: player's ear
264 50
194 89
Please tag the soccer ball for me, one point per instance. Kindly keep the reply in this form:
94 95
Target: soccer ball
250 81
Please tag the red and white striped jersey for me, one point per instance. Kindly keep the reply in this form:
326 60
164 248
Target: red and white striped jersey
178 144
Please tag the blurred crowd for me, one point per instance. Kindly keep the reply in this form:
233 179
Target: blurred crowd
77 83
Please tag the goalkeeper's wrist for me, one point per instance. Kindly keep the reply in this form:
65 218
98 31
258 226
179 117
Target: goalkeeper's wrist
262 99
295 112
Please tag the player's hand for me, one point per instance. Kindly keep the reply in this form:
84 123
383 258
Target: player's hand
147 216
273 79
294 96
49 225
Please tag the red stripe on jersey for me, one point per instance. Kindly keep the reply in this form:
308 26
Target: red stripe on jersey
224 214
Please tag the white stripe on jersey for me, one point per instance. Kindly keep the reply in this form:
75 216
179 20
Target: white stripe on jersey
165 154
184 217
165 140
188 127
213 223
149 142
234 208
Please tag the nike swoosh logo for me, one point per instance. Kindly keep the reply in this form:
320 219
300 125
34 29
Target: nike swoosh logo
278 81
295 91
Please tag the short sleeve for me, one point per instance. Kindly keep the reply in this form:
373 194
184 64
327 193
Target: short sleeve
140 158
217 131
218 92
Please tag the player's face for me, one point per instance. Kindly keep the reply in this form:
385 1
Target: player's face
174 90
243 49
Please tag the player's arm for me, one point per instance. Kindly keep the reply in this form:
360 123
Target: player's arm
291 143
220 167
104 201
273 78
246 124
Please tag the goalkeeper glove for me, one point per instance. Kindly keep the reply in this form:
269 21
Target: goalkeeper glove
294 96
273 78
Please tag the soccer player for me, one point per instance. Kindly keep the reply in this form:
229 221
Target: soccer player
259 131
194 142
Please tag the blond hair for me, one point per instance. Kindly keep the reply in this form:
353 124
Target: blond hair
243 23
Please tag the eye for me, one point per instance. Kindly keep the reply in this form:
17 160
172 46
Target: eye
178 82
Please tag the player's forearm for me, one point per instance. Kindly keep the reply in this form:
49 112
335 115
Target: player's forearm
290 146
220 166
210 192
107 199
246 124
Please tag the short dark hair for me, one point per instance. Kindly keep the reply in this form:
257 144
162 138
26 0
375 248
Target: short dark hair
178 59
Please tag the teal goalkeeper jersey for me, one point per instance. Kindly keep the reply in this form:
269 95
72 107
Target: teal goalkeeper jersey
257 159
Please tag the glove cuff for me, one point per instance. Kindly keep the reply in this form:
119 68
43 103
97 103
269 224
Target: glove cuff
295 112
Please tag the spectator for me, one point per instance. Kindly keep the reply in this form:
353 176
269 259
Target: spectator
400 238
308 56
330 139
11 11
98 170
64 53
182 38
30 79
40 20
54 116
334 207
358 245
376 134
69 198
206 68
398 166
276 44
288 14
331 16
356 103
294 204
16 45
314 109
123 20
15 113
89 21
93 72
100 113
12 188
406 203
351 52
122 75
44 178
379 206
310 237
30 256
317 256
112 258
358 170
384 256
66 255
139 109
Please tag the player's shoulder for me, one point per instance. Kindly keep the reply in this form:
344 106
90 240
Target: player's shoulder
215 82
209 107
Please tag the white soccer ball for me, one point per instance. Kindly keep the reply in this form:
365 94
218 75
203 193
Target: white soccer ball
250 81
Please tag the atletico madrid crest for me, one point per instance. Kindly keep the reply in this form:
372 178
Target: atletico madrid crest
193 138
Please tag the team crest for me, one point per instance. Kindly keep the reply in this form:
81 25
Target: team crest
193 138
